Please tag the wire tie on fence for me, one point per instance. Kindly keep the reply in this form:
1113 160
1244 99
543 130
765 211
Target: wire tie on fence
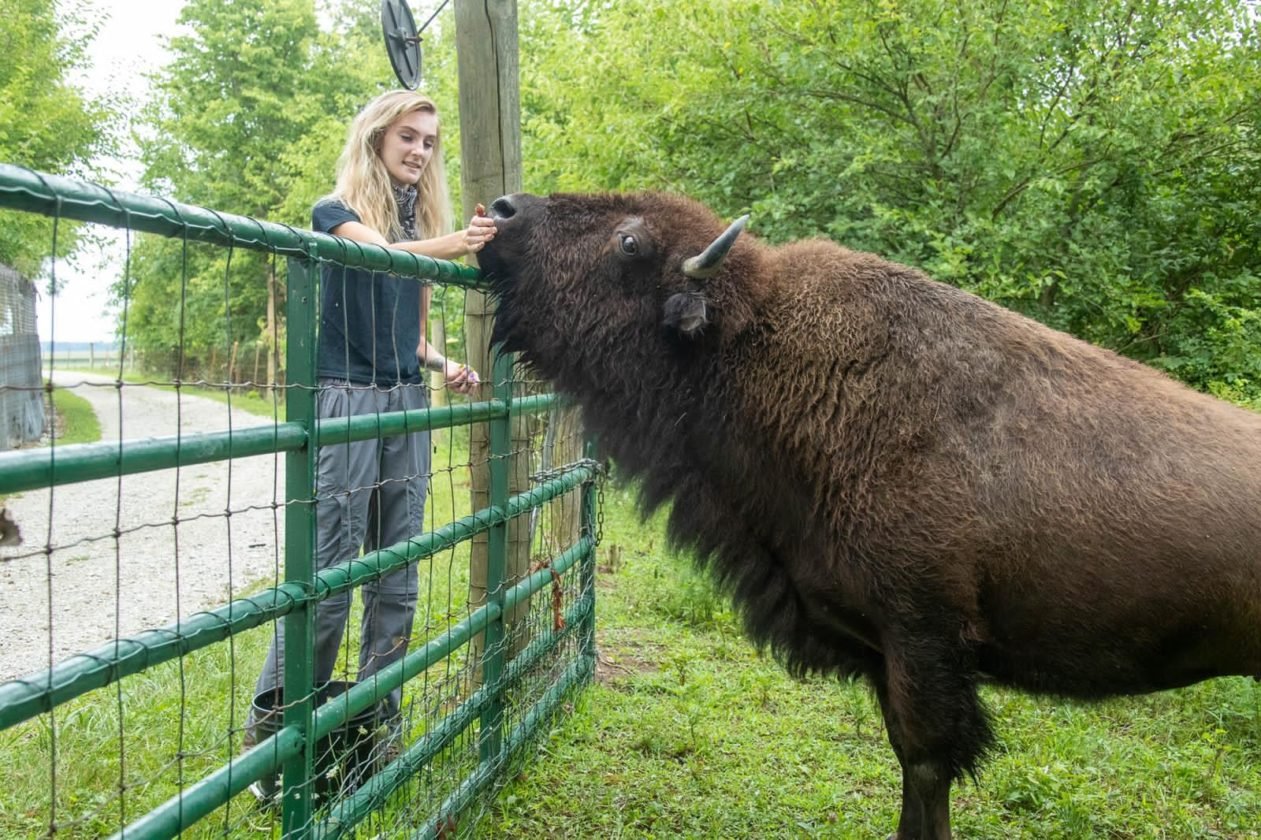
446 828
564 469
558 594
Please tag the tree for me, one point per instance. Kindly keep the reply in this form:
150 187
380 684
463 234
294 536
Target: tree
248 117
1090 163
45 123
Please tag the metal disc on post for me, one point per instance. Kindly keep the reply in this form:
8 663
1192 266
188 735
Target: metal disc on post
402 43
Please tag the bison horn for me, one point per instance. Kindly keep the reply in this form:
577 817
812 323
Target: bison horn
706 264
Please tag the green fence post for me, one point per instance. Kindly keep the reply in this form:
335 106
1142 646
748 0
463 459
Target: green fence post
500 434
299 676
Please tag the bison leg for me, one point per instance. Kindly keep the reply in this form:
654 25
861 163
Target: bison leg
938 731
912 818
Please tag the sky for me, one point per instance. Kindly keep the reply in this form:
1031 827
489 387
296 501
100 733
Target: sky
128 46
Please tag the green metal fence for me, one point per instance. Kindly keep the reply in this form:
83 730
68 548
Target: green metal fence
132 736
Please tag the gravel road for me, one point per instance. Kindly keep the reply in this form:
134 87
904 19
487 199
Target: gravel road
73 585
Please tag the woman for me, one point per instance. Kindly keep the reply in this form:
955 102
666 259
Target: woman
390 191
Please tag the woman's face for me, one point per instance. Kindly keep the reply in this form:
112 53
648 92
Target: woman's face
408 145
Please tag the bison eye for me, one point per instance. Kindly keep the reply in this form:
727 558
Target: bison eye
628 244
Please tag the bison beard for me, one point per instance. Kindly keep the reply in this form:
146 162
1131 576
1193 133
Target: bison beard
892 477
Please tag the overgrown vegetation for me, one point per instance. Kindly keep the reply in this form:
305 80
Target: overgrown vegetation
1095 165
689 732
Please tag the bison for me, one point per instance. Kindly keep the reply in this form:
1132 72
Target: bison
891 477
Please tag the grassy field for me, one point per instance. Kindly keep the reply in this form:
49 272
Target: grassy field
688 732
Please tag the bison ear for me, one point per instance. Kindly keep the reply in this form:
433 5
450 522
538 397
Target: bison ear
687 313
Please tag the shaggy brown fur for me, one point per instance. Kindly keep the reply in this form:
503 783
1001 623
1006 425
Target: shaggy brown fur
892 477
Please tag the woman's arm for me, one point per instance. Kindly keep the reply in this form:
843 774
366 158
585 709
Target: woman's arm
472 239
459 378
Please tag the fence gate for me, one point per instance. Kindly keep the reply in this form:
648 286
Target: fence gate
155 564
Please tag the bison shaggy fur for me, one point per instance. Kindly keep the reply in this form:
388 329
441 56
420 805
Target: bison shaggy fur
891 477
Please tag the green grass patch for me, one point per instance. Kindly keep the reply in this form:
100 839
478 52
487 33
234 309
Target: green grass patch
107 757
75 420
688 732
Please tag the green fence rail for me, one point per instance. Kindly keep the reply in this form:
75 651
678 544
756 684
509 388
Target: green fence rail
483 714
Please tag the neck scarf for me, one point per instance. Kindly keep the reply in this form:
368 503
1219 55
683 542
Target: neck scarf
405 198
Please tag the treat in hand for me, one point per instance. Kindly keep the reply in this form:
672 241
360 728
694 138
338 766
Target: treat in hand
467 377
479 210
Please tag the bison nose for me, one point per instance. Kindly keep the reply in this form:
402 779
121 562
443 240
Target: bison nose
503 207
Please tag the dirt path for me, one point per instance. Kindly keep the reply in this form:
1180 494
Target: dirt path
178 551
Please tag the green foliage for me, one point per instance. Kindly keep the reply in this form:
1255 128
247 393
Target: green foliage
45 122
1093 166
250 114
1090 164
232 100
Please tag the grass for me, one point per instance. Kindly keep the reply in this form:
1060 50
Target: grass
117 752
75 420
689 733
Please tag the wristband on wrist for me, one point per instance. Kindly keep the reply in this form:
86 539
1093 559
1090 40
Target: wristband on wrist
438 365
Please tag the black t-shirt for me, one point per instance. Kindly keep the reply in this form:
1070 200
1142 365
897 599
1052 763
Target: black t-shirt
369 320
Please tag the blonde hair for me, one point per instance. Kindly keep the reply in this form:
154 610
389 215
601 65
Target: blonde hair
363 184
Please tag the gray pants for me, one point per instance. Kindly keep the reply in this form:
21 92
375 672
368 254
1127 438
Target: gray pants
369 494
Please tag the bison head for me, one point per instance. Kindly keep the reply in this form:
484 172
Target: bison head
625 274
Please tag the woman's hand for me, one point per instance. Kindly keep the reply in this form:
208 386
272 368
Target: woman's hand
480 230
461 379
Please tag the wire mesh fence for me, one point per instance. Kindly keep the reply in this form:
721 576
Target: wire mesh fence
21 405
155 566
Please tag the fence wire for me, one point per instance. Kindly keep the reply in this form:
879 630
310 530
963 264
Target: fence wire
21 403
121 580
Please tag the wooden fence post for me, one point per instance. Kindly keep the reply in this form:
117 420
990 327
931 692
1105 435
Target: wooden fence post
490 149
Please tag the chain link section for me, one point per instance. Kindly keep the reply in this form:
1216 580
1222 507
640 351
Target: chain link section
559 472
601 473
601 476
